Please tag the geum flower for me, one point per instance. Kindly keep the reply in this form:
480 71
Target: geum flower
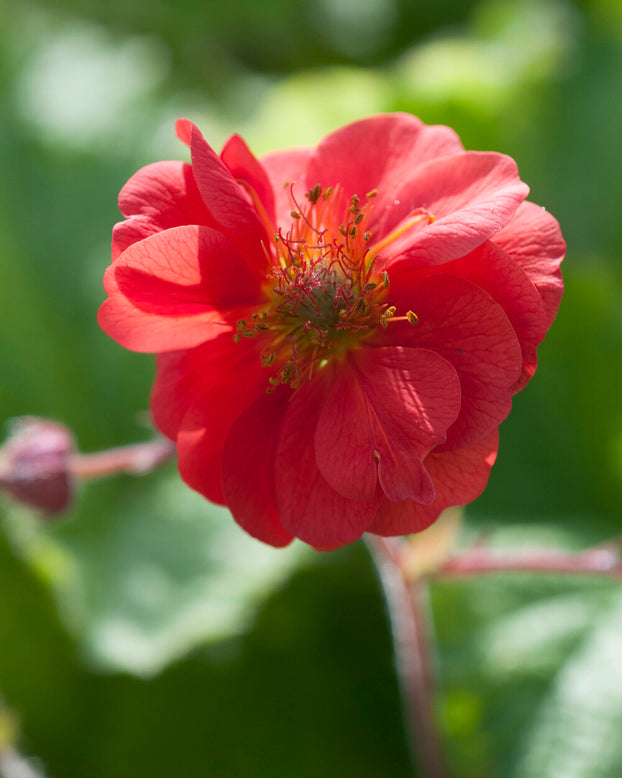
339 331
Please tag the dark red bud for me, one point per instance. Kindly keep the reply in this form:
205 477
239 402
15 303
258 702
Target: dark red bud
35 465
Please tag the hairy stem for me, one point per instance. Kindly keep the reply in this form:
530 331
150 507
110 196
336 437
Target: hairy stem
406 601
137 458
601 561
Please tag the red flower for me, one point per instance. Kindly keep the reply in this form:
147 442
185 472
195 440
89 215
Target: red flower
339 330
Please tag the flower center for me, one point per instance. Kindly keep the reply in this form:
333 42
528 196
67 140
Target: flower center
324 294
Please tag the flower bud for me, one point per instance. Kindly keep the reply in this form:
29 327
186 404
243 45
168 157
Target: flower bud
34 465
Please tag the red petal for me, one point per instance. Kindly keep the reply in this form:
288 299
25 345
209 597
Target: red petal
308 507
283 168
249 172
463 324
182 376
169 291
390 411
227 203
459 478
230 382
470 195
534 240
157 197
494 271
247 464
380 152
183 130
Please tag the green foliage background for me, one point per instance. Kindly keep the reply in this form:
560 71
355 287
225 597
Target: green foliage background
144 635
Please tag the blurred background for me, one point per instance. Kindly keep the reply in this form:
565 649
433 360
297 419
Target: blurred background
144 634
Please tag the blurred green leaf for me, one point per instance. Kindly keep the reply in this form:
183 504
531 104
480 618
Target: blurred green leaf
531 670
145 578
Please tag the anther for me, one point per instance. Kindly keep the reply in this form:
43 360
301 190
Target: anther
288 372
385 279
241 324
371 194
384 319
412 317
367 236
359 218
314 193
360 306
370 287
295 215
261 325
267 359
327 193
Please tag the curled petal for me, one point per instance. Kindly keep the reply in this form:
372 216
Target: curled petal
246 468
387 412
183 376
250 174
534 240
156 198
174 289
492 270
470 197
464 325
308 506
222 398
392 145
228 204
459 476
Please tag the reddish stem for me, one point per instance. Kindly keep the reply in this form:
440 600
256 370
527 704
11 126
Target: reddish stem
603 561
137 458
406 601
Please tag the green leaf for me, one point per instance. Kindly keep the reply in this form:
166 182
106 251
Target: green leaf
148 570
531 672
576 729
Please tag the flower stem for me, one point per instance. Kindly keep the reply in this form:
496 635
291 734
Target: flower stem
601 560
137 459
406 601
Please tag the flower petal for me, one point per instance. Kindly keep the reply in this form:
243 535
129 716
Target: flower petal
459 477
470 196
494 271
173 289
392 147
307 505
228 204
250 174
182 376
224 394
284 168
389 411
463 324
157 197
534 240
247 465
